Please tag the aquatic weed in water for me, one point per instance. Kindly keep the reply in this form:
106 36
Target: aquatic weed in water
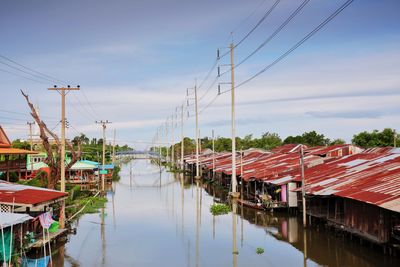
259 250
219 209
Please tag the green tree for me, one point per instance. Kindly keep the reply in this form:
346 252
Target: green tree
298 139
21 144
376 138
337 141
311 138
315 139
269 141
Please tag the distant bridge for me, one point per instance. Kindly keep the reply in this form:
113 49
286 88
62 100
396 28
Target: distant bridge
137 154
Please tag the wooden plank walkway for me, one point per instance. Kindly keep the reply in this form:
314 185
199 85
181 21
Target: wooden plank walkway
39 242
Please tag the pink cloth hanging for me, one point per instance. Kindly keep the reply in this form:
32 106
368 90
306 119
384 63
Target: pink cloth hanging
46 220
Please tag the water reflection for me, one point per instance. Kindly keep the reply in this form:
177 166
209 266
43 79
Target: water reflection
235 251
161 218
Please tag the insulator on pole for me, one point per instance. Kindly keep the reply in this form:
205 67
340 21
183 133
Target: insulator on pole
219 71
219 89
218 54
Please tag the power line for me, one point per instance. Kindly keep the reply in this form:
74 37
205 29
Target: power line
288 52
258 23
249 16
281 27
79 111
84 108
26 72
32 70
90 105
308 36
39 75
209 104
21 76
209 88
265 16
21 113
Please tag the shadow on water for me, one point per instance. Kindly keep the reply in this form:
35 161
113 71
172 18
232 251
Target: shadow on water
154 218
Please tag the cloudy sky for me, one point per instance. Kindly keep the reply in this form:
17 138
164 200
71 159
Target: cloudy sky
134 60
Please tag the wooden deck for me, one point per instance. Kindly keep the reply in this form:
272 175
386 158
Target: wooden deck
40 242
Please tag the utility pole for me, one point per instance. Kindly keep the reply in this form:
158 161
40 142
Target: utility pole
197 133
182 139
104 126
303 184
31 142
166 139
213 149
241 172
234 180
113 150
173 140
394 138
63 91
30 134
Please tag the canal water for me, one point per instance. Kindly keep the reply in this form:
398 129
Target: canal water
164 219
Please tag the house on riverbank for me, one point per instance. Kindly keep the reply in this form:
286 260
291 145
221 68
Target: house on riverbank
358 194
12 160
350 189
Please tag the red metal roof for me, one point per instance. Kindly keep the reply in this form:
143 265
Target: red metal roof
289 148
368 177
27 195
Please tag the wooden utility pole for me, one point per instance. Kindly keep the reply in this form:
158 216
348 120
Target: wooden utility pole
63 92
104 126
303 184
182 139
233 115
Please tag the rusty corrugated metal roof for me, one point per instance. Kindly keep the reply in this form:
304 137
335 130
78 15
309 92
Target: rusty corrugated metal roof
373 178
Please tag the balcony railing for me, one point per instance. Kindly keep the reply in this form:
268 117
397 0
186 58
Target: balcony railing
13 165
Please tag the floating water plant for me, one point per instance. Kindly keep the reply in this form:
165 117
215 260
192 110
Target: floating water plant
219 209
259 251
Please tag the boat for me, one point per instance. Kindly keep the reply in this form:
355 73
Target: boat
250 204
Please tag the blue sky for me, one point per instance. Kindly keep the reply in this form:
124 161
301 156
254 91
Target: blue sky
135 59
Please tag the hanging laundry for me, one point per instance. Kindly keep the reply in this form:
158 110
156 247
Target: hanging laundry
6 249
46 219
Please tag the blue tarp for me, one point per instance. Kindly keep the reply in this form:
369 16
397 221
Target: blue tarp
40 262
